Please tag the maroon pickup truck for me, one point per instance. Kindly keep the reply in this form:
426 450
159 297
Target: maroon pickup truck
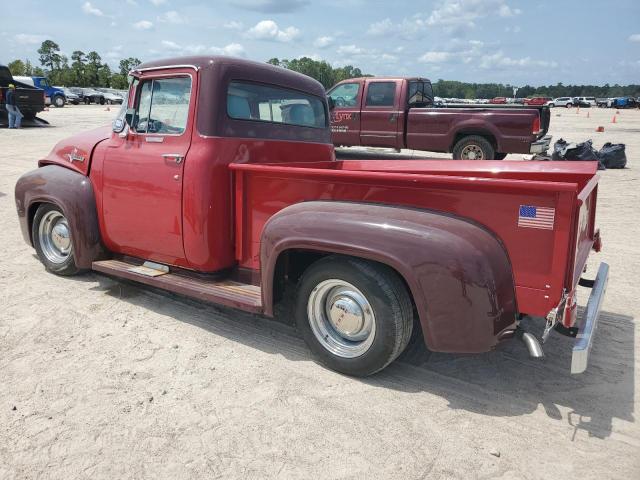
400 113
218 180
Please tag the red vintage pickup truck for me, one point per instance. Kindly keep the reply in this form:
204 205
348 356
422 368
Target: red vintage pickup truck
219 181
400 113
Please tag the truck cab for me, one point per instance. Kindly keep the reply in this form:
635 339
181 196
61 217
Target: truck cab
219 181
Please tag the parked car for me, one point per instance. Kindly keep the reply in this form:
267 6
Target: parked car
623 102
53 95
498 100
249 203
110 96
397 112
70 96
88 95
30 100
583 101
604 102
537 100
561 102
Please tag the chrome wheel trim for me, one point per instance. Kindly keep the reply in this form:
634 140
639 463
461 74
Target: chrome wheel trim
472 152
54 236
341 318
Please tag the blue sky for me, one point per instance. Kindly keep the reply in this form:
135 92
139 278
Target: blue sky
508 41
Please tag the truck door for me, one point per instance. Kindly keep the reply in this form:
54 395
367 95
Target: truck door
143 172
379 123
345 116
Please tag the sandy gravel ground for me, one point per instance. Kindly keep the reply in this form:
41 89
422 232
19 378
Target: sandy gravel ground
107 380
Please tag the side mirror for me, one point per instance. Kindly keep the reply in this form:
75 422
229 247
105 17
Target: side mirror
331 103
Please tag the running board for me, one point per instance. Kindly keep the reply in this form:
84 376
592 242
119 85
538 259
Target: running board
223 292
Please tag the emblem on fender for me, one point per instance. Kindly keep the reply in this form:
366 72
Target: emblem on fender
74 156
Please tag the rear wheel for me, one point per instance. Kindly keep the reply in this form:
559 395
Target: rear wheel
52 240
473 147
355 316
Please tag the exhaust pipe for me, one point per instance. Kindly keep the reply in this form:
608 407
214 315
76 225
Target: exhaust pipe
531 342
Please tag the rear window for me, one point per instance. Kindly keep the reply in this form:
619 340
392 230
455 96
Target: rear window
265 103
420 93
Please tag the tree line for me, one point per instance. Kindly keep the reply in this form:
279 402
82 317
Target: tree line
88 70
81 70
328 76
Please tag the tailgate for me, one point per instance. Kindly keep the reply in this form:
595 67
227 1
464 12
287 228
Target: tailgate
584 233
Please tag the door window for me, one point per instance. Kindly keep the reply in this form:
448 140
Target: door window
163 106
345 95
381 94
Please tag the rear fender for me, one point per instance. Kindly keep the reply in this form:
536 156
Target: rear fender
73 193
458 273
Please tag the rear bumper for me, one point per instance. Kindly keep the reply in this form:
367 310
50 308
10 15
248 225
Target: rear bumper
542 145
589 321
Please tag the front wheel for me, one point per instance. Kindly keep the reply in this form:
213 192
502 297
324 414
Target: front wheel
473 147
52 240
356 316
58 101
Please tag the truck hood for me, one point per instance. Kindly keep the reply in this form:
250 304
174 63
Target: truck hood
75 152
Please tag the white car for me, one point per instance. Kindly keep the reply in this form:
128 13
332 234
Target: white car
590 100
561 102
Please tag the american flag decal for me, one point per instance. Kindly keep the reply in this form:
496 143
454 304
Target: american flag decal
536 217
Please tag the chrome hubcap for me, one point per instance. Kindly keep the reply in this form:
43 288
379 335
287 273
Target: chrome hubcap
55 237
472 152
341 318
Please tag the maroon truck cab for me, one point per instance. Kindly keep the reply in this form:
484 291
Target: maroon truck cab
398 112
218 181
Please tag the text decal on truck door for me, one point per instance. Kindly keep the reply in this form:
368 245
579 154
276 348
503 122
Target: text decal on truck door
536 217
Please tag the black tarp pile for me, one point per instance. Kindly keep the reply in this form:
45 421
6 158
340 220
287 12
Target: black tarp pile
609 156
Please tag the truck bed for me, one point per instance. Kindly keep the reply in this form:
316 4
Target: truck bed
488 193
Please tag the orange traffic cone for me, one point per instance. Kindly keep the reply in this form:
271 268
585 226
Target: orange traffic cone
108 109
600 129
578 110
588 114
613 120
617 112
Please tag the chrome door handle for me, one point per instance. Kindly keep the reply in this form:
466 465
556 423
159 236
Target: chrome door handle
176 156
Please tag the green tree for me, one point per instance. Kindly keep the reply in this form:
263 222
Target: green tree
49 53
17 68
128 64
77 68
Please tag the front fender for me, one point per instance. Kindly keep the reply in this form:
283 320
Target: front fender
73 193
458 272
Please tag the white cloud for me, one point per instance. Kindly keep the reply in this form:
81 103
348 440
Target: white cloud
351 50
168 44
29 39
132 2
157 3
435 57
506 11
172 17
634 38
382 27
234 25
143 25
91 10
269 30
232 50
499 60
323 42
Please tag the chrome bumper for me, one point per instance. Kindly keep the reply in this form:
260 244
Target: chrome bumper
587 329
542 145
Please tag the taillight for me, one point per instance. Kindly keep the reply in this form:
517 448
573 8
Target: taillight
535 127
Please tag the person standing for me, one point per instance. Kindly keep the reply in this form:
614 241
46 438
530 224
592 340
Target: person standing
14 113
